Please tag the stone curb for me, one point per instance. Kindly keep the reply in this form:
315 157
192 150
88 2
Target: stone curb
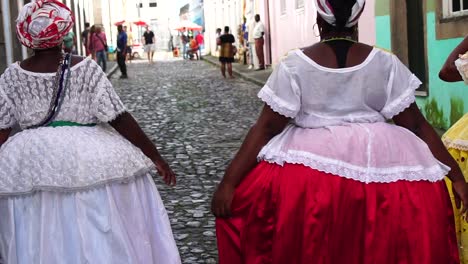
112 71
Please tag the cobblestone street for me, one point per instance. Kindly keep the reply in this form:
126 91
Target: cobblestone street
198 120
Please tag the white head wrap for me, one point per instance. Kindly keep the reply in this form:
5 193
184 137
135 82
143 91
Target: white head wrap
325 10
43 24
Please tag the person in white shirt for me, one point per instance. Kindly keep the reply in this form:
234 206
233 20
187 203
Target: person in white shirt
251 44
258 33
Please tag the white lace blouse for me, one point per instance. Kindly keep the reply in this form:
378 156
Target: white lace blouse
65 158
338 119
25 96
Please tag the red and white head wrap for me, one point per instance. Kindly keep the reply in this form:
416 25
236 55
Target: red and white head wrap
325 10
43 24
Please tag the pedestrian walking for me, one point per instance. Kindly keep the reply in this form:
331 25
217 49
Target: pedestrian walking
69 42
185 42
227 52
149 40
201 43
456 138
323 178
218 34
99 43
251 44
91 48
84 38
129 50
258 34
121 51
75 183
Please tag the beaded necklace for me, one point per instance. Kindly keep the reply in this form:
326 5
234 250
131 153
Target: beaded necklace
63 65
339 38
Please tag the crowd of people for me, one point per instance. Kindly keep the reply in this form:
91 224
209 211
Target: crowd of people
192 43
251 42
321 177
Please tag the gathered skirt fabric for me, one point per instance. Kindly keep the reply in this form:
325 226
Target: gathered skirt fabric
114 223
456 140
295 214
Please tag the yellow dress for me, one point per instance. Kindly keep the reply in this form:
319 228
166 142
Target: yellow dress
456 141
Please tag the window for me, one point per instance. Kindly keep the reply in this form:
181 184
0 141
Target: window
455 8
153 4
417 59
283 7
299 4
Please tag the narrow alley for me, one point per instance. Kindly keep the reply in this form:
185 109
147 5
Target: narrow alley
198 121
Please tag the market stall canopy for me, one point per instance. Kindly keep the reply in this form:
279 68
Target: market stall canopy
188 25
140 23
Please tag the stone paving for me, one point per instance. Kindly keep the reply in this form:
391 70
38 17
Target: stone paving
198 121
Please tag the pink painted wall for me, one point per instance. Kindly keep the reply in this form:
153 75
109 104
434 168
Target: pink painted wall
292 29
367 32
295 27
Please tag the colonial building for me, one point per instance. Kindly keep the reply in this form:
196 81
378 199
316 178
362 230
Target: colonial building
293 26
422 34
10 48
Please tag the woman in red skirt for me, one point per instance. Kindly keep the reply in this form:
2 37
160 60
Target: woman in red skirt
323 178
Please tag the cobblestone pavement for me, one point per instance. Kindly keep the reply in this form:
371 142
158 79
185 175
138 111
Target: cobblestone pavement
198 121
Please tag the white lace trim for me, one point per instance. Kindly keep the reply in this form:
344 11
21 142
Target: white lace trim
68 189
404 100
25 96
350 171
277 104
456 144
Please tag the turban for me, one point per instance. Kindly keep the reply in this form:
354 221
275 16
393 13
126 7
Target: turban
325 10
43 24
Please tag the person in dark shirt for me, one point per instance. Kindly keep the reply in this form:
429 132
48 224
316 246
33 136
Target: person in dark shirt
227 52
121 51
84 38
149 41
185 41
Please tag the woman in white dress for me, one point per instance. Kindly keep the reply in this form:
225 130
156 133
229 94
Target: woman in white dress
323 178
75 183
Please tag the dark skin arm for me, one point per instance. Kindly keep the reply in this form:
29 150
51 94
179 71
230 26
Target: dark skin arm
268 125
449 72
127 126
4 135
413 120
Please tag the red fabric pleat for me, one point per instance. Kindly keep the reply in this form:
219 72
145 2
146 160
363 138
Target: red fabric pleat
295 214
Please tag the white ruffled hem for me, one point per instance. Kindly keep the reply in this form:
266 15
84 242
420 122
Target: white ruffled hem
116 223
79 188
68 159
350 171
404 100
456 144
277 104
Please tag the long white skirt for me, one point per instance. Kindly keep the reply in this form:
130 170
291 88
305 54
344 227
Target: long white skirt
114 223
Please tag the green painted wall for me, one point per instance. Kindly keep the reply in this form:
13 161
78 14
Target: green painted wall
446 101
382 8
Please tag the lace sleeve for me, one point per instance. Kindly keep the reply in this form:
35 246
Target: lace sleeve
400 90
282 93
107 103
7 118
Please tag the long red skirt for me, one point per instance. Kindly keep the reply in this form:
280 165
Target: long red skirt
294 214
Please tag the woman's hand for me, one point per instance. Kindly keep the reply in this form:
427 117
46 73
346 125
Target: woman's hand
165 172
460 191
222 200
